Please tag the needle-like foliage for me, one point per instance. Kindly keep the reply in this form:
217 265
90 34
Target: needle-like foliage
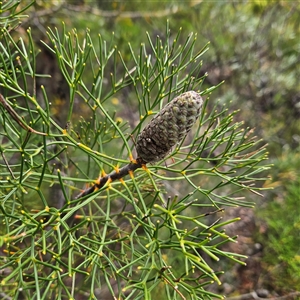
151 232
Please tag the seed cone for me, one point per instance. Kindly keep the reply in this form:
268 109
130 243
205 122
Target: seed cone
168 127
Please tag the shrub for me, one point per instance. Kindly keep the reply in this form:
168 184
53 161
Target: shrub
125 237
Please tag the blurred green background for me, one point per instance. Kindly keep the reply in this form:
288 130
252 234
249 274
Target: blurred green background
255 48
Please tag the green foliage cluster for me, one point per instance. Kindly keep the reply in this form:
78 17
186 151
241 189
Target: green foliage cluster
254 47
123 239
120 237
161 228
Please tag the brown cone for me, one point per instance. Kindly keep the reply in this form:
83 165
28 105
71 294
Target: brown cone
168 127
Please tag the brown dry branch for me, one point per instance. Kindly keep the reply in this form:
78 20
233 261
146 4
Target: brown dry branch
128 14
36 14
115 175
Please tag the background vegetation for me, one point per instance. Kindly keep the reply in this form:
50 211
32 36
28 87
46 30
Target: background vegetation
255 48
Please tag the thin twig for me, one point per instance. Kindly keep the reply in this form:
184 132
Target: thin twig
289 296
7 165
4 296
129 14
17 118
109 14
254 296
115 175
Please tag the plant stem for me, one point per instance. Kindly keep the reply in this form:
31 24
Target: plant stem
115 175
